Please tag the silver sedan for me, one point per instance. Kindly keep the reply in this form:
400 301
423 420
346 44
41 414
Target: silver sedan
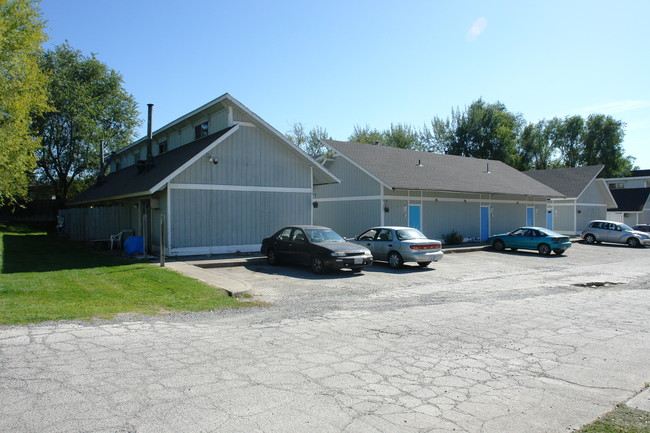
397 245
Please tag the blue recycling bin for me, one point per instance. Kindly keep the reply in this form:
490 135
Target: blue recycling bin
134 245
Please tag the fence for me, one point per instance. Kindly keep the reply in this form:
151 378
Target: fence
84 224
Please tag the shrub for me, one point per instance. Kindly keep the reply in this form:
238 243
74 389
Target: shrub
453 238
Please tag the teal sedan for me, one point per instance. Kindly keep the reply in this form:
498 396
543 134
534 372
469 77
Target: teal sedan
532 238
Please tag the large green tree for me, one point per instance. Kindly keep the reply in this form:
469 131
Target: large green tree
603 144
22 92
535 149
483 130
91 111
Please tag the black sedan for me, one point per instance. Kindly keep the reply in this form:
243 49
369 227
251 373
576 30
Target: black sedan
321 248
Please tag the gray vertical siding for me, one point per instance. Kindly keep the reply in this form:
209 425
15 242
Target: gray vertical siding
584 214
563 219
442 217
506 217
348 218
222 218
250 157
592 194
354 182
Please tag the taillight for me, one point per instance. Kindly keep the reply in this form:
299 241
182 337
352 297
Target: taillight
426 246
559 239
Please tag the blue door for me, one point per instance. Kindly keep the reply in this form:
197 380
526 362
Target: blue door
415 216
530 216
485 223
549 219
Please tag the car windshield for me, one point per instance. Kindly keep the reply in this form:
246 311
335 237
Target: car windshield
625 227
408 234
323 235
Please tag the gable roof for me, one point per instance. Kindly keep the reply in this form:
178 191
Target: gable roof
630 199
570 181
320 174
130 181
398 169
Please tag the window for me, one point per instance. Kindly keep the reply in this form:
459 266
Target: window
616 185
162 147
201 130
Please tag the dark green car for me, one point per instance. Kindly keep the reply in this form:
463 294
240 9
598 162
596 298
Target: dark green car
532 238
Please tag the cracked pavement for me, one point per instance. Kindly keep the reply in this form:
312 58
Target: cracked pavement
480 342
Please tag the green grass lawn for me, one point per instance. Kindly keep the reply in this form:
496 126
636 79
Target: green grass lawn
45 278
621 420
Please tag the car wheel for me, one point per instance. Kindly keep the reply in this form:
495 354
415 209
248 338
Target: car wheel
395 260
356 270
317 265
558 252
544 249
423 264
633 242
498 245
590 239
272 257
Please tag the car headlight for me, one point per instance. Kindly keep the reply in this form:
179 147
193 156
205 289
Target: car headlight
338 254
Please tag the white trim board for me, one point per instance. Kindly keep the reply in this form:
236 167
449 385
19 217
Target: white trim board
243 188
433 199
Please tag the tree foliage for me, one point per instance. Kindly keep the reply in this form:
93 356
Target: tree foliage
400 135
310 141
483 130
22 92
603 144
91 110
363 134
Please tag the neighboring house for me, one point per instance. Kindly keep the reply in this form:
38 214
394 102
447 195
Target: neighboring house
631 194
436 193
221 179
586 197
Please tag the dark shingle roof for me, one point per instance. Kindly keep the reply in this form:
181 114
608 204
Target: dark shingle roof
570 181
630 199
640 173
130 182
398 169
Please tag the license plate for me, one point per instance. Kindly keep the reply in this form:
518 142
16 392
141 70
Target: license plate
358 260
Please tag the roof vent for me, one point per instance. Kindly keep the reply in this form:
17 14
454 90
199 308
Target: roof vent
487 169
419 164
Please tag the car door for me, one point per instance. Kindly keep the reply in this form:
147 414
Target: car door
367 239
383 244
281 244
299 247
515 239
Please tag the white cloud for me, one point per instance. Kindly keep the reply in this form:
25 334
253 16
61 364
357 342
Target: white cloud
477 28
616 107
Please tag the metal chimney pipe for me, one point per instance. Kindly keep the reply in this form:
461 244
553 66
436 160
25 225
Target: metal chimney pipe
149 135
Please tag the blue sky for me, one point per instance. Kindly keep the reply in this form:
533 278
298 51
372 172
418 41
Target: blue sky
337 64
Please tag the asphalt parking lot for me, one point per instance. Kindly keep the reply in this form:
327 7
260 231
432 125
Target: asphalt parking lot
479 342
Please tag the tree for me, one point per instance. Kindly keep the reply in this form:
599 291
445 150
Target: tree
365 135
402 136
567 136
91 110
535 148
483 130
310 141
603 144
399 135
22 92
